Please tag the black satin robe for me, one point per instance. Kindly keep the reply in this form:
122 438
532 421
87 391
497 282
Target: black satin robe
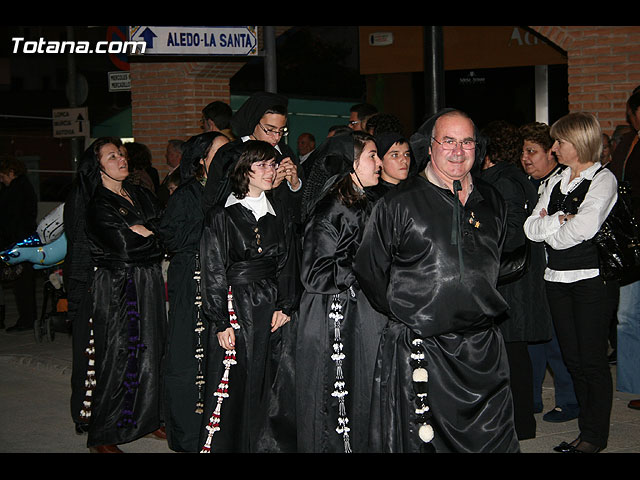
332 236
121 255
410 270
181 228
258 415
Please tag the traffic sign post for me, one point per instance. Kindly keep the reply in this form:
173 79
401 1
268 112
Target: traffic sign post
165 40
70 122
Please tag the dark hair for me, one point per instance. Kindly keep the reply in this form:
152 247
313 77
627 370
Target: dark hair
634 102
537 132
101 142
195 149
363 110
138 155
174 178
384 122
504 142
219 113
13 164
254 151
338 129
276 109
344 189
177 144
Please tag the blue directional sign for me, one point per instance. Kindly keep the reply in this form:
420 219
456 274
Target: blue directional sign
165 40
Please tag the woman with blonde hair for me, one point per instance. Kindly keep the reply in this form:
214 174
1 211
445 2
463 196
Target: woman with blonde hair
569 213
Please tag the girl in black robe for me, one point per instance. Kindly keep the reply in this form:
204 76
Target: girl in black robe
249 277
126 310
263 116
181 227
338 330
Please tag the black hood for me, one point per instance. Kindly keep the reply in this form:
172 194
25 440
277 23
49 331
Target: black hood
249 114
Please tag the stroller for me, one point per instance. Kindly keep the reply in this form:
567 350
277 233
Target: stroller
45 250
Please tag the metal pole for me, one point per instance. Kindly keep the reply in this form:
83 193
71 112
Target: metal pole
270 72
72 97
433 69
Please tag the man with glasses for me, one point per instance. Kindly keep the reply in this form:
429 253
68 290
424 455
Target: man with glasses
359 114
430 260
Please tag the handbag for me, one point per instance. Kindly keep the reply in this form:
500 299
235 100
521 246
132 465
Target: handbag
618 241
514 264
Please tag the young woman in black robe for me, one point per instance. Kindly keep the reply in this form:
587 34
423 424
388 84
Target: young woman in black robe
181 227
338 331
125 309
249 277
263 116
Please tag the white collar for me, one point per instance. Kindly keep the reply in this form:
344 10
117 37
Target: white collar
259 206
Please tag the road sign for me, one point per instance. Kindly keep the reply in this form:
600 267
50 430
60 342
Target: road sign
164 40
119 81
70 122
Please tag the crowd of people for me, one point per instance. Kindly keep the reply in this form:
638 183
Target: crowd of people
358 297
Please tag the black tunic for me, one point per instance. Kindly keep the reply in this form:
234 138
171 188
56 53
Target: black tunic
127 302
261 273
410 270
331 239
528 318
181 228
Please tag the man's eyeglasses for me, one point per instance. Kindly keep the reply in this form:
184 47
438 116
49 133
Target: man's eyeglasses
283 132
450 144
353 123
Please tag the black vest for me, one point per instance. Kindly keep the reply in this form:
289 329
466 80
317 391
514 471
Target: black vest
579 257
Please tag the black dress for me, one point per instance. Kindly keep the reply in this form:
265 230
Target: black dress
181 229
332 236
249 267
128 317
440 301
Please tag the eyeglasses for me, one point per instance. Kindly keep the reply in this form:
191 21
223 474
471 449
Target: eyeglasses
449 144
266 165
283 132
354 122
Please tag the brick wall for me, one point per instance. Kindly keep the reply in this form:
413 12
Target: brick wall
167 100
603 68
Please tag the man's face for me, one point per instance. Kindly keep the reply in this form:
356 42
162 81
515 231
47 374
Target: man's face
173 156
270 128
454 164
535 161
633 118
305 144
354 122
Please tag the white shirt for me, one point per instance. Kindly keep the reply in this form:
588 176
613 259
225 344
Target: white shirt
592 212
259 205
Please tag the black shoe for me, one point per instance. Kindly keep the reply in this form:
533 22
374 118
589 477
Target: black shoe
565 447
561 414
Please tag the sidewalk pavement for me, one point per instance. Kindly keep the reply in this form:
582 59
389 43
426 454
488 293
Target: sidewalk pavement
35 389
